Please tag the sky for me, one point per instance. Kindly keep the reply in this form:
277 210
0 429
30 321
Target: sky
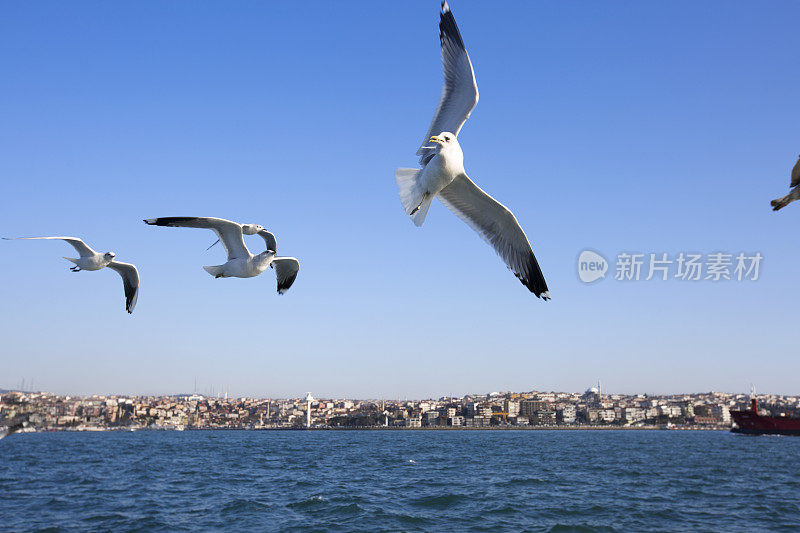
616 127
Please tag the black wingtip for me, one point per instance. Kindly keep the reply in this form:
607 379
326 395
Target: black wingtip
283 287
167 221
448 28
534 279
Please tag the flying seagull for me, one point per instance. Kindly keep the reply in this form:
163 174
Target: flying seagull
91 260
241 263
442 174
16 425
780 203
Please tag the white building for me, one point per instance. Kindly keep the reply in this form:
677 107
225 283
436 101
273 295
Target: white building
606 415
722 413
633 414
567 414
511 407
671 411
485 411
414 422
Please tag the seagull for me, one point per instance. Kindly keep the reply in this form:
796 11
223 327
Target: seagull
780 203
17 425
241 263
442 174
91 260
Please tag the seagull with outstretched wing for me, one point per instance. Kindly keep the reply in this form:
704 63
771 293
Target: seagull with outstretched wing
241 263
90 260
442 174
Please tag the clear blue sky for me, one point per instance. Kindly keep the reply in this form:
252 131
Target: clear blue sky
624 126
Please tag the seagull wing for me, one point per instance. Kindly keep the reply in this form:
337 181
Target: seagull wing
286 271
459 93
498 227
76 243
16 425
130 280
269 238
796 174
230 233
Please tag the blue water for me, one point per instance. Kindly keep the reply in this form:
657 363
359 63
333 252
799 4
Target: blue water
399 480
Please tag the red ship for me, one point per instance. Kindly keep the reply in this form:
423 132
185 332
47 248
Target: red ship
751 423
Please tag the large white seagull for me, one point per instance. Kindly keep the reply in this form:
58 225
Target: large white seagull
442 174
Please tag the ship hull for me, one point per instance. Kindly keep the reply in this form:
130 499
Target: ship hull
751 423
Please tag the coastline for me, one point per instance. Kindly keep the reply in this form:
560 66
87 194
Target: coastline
383 428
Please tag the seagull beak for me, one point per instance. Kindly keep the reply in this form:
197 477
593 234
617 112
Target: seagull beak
436 139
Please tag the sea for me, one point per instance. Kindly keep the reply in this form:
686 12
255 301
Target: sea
399 480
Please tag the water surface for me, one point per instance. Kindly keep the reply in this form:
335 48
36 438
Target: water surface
399 480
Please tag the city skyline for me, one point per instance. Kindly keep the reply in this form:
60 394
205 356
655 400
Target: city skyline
535 409
618 128
218 392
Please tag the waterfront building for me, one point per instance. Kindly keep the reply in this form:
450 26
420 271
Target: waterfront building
431 418
567 414
721 413
530 407
544 418
606 415
485 411
511 407
470 409
413 422
633 414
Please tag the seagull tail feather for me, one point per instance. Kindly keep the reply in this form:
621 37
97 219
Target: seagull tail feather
411 194
214 270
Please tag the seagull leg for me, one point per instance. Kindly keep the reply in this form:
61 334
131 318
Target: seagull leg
424 197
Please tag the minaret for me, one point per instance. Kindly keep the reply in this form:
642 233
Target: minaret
309 399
